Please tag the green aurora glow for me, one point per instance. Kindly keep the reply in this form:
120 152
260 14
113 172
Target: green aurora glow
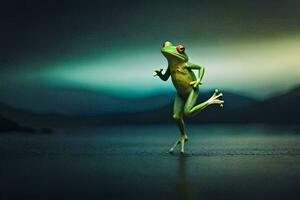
254 67
249 47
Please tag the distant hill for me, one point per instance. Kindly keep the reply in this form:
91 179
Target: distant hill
238 109
158 114
281 109
28 118
81 102
8 125
163 115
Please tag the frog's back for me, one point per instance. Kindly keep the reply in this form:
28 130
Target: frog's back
181 78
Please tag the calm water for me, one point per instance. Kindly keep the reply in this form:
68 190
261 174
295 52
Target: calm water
221 162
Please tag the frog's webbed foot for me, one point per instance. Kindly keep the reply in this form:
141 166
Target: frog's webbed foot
174 146
215 99
181 140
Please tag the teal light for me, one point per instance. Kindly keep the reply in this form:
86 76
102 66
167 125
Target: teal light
257 67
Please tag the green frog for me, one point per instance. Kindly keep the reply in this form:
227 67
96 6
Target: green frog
187 87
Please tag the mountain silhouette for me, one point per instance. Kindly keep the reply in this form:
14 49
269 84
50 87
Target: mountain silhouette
284 108
9 125
80 102
279 109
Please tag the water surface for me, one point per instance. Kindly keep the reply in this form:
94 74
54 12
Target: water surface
131 162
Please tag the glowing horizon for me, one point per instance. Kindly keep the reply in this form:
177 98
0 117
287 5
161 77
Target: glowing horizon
257 67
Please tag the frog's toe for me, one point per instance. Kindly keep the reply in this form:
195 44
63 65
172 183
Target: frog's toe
218 101
192 82
215 93
219 95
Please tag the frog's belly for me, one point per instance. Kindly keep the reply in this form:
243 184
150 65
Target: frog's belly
182 84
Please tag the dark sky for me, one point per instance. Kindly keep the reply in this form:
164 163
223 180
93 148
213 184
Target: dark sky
46 30
246 46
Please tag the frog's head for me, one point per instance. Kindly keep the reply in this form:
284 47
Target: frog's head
174 53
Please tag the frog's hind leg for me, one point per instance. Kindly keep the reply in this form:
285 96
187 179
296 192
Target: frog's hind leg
178 117
190 109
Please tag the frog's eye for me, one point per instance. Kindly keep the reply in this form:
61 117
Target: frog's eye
167 43
180 48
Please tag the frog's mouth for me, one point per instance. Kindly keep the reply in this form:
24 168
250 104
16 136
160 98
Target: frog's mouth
180 56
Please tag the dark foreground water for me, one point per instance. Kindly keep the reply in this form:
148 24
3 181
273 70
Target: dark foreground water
221 162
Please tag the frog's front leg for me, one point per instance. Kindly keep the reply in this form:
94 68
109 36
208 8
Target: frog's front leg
178 117
201 71
162 76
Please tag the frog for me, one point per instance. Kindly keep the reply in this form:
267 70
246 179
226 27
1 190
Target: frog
187 86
